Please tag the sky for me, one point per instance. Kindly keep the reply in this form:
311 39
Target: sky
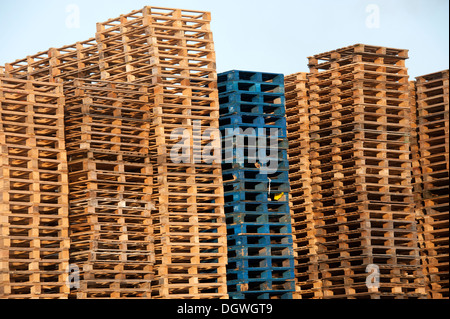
258 35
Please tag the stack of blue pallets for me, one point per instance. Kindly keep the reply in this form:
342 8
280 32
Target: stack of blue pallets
256 183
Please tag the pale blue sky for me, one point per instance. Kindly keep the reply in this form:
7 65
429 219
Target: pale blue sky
261 35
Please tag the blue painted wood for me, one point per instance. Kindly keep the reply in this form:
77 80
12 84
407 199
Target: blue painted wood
259 230
281 176
274 99
246 108
251 76
251 87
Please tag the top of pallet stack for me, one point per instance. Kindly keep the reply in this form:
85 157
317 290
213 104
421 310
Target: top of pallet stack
363 49
433 76
83 59
251 76
369 52
156 13
66 62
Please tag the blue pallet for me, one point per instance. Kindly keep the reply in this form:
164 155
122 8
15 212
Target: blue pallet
245 276
249 186
237 150
249 196
264 289
277 178
235 240
282 166
259 217
257 251
261 263
268 132
258 240
267 286
236 217
233 175
254 175
266 273
274 263
242 271
233 153
251 108
270 166
251 87
260 134
257 207
287 295
251 76
247 97
248 141
238 119
261 230
260 120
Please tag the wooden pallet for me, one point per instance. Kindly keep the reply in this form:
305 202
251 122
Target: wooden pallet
382 57
183 38
62 65
112 117
115 280
34 237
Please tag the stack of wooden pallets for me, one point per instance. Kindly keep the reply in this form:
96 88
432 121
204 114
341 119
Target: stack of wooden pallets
361 173
34 239
110 178
260 243
305 242
135 110
61 65
173 50
432 102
